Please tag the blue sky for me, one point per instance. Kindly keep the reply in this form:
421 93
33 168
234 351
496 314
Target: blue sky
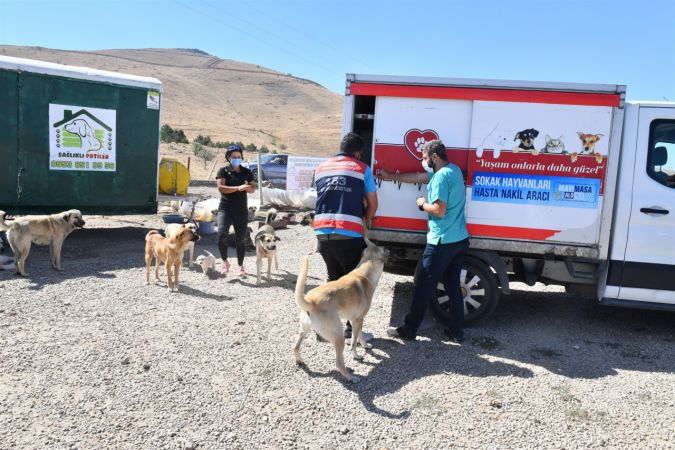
603 41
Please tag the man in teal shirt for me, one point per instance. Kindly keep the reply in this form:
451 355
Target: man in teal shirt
447 240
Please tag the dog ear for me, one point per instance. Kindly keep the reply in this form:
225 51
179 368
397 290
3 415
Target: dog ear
548 138
535 132
66 217
277 238
81 128
599 136
580 134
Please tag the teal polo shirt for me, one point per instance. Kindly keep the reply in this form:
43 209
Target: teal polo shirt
447 185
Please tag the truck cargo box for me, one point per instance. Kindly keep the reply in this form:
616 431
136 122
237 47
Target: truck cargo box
539 159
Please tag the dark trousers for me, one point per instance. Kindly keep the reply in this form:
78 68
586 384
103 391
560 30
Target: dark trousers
341 257
239 218
440 263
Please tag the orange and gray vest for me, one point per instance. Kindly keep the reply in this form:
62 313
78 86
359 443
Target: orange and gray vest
340 190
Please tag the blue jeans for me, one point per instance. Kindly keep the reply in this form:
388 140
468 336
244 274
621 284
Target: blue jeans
440 263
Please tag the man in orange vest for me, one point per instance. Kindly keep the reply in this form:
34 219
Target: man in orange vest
346 202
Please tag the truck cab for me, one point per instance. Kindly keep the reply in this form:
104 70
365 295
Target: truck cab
641 268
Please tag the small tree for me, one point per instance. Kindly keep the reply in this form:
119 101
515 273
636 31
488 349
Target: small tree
264 149
203 153
282 147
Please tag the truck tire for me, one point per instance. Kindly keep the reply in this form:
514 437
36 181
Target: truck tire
481 294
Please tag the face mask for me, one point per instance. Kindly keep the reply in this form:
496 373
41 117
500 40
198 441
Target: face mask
428 168
236 162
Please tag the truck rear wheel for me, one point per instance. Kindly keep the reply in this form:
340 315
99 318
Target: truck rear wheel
479 287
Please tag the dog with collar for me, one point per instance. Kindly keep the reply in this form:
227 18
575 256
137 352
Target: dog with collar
526 138
266 246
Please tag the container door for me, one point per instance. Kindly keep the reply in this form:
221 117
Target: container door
648 272
8 139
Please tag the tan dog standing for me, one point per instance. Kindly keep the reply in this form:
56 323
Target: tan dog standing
168 251
49 230
350 297
173 229
266 246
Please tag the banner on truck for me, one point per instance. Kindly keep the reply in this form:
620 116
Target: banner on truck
532 170
82 138
300 172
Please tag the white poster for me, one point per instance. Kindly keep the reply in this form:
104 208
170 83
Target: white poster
153 100
82 138
300 172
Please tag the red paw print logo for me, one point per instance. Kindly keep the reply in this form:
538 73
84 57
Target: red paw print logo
415 139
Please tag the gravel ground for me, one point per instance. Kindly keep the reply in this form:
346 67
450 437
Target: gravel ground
92 358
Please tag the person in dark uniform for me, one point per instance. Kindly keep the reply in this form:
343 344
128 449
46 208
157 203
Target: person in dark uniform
234 181
346 202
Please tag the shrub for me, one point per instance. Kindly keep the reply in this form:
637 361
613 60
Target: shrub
168 134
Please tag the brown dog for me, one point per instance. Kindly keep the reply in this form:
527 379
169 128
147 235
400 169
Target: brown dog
49 230
349 298
588 142
167 250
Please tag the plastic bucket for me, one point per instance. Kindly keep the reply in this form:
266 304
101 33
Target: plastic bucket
206 228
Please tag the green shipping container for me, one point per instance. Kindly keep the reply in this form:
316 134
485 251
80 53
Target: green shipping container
73 137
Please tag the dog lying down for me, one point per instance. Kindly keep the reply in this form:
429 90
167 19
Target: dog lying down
325 307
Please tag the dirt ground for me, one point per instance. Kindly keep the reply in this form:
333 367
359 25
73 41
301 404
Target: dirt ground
91 357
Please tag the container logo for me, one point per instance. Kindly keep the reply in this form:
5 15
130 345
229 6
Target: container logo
82 138
415 139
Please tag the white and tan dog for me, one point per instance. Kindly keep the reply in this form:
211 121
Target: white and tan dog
80 127
173 230
266 246
348 298
207 261
42 230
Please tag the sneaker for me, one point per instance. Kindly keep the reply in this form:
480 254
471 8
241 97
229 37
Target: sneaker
242 271
225 267
455 336
400 332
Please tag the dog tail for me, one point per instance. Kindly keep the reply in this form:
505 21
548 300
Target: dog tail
150 233
271 215
300 287
3 224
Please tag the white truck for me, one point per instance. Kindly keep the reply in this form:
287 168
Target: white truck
566 183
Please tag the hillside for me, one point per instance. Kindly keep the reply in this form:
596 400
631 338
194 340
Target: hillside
229 100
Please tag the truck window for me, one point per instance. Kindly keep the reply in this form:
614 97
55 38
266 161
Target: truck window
661 157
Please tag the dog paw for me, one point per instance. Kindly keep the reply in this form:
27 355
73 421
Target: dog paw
358 357
419 144
368 346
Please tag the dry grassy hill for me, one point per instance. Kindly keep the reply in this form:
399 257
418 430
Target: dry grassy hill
229 100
